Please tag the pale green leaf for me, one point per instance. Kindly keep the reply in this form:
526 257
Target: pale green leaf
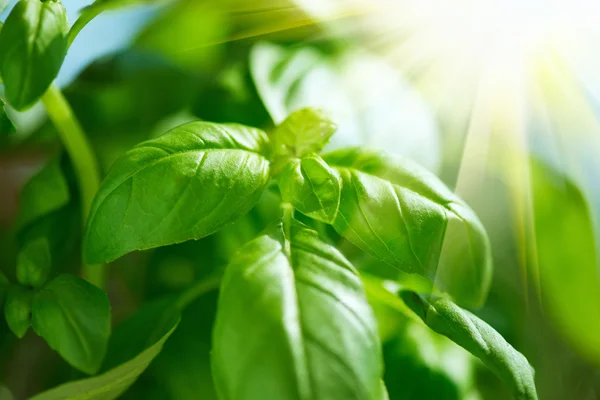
312 187
294 325
477 337
185 185
73 316
303 132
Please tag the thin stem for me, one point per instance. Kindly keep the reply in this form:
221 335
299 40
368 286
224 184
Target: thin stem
83 159
288 217
199 289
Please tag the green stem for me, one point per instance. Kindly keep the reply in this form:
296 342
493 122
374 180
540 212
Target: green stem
83 159
199 289
288 217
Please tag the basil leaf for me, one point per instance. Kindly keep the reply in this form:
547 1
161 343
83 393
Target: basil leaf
111 384
312 187
403 215
45 192
566 248
310 304
34 262
6 125
477 337
33 45
186 184
17 310
303 132
361 92
73 316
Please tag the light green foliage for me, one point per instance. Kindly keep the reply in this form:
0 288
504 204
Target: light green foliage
400 213
33 45
17 310
474 335
312 187
303 132
184 185
73 316
111 384
567 257
45 192
302 298
34 263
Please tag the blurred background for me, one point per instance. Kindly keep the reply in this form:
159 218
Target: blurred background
501 99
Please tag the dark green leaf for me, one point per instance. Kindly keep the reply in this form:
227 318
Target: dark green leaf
474 335
34 262
400 213
312 187
73 316
186 184
6 125
17 310
303 132
111 384
45 192
33 45
310 305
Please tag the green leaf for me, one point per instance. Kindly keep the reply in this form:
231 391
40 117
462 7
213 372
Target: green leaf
477 337
73 316
111 384
566 251
405 216
186 184
364 94
6 125
310 306
17 310
33 45
312 187
45 192
34 262
303 132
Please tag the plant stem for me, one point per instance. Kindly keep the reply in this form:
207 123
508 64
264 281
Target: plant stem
288 217
83 159
200 288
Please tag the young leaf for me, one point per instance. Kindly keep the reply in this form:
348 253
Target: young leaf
312 187
111 384
73 316
474 335
34 262
310 304
17 310
186 184
45 192
33 45
303 132
6 125
403 215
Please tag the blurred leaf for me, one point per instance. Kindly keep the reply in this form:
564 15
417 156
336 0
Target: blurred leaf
360 92
567 258
45 192
422 365
6 125
33 45
186 34
406 217
480 339
34 263
295 299
73 316
17 310
111 384
225 163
